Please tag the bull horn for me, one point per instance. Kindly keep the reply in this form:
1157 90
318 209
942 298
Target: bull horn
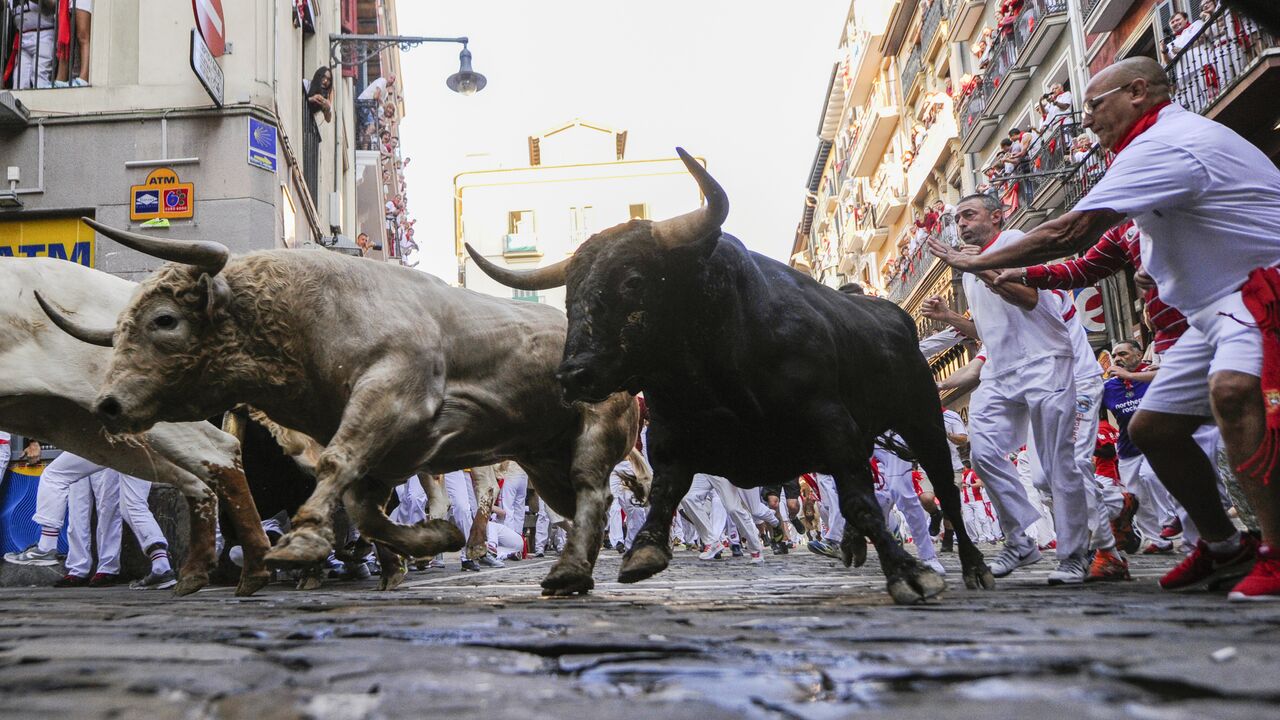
698 224
543 278
207 255
101 338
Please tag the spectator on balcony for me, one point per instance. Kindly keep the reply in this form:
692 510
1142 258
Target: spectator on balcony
83 10
377 89
1019 148
1058 102
34 45
1181 31
320 92
1080 148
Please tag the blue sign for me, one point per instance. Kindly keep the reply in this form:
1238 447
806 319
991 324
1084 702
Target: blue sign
262 145
146 201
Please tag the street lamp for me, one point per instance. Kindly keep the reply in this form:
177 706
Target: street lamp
363 47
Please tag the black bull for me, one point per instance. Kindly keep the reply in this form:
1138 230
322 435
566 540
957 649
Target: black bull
753 371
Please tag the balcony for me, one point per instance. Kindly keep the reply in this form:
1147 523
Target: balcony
976 124
1086 174
878 122
929 29
890 193
1230 72
867 232
862 64
1022 46
520 245
311 153
911 72
1101 16
931 151
1039 185
964 16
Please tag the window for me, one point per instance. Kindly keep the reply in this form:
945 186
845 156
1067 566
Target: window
526 295
639 211
520 222
580 223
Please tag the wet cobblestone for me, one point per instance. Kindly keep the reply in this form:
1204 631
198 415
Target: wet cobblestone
800 637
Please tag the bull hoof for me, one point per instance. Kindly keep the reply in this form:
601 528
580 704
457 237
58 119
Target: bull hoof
392 577
979 577
434 537
915 586
308 582
568 578
250 584
642 561
853 549
188 584
303 546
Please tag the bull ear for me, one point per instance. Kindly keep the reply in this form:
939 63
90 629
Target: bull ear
217 294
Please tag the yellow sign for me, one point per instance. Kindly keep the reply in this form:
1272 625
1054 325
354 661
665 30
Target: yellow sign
162 196
64 238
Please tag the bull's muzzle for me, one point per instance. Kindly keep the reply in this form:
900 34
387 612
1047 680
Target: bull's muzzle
577 379
109 410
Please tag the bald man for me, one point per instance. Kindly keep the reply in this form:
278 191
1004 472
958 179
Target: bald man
1208 205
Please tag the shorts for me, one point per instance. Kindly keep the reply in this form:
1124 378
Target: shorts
790 487
85 5
1219 337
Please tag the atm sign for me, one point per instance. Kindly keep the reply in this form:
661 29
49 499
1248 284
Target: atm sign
162 196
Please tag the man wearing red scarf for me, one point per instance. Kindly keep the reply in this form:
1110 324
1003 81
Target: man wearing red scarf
1208 205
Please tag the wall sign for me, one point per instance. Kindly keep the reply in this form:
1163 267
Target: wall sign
206 68
262 144
162 196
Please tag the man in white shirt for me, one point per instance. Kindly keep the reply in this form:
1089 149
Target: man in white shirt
377 89
1209 202
1028 377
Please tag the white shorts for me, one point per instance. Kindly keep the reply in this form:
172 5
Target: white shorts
85 5
1219 337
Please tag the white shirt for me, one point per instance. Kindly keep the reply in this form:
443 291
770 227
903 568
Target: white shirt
1014 337
373 91
955 426
1206 200
1055 112
1084 365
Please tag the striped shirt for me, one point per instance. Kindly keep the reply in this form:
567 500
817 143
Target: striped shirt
1117 248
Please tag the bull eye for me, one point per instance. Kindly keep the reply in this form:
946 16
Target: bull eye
633 284
166 322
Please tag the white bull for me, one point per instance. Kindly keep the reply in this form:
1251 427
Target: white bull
51 381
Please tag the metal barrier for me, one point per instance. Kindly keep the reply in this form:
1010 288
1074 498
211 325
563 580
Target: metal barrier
40 47
1215 57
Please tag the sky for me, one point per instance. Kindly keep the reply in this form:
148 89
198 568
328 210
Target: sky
740 83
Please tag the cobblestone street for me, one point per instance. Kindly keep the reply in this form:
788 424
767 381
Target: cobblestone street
799 637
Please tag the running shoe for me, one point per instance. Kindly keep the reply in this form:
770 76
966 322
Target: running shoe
1011 558
69 581
1070 571
1108 565
156 581
1122 525
1263 581
33 556
1202 567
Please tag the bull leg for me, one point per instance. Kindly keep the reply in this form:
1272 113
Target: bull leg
484 481
394 567
202 512
373 421
589 500
651 551
437 497
365 504
929 445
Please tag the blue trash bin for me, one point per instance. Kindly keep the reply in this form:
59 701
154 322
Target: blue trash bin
17 505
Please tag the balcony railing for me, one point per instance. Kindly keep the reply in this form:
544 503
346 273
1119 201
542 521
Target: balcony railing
367 125
915 266
1087 172
974 105
911 70
1088 6
1049 158
1218 55
311 152
929 25
1015 34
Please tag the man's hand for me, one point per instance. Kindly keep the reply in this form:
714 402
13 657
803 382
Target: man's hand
935 308
1143 280
1011 276
957 259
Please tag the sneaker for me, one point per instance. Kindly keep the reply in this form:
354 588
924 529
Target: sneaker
756 558
1263 582
1152 547
1172 530
823 547
156 581
33 556
1051 545
1011 558
470 566
784 548
1071 571
490 561
1202 568
539 555
104 580
735 550
619 547
1122 525
436 562
1108 565
61 83
79 82
710 552
70 580
935 565
948 541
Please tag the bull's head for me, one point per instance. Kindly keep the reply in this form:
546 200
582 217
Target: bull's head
626 287
163 337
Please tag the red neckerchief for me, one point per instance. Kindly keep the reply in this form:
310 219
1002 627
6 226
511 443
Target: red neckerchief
1143 124
990 243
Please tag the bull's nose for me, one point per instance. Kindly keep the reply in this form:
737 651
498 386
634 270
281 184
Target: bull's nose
109 408
574 378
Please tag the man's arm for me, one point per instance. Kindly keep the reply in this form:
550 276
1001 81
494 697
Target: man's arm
964 379
1072 232
1103 260
1019 295
935 308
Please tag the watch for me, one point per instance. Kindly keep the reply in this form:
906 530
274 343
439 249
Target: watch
1023 278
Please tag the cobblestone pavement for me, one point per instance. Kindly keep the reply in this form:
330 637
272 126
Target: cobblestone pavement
799 637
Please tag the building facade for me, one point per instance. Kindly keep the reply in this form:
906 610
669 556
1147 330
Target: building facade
578 181
235 152
935 99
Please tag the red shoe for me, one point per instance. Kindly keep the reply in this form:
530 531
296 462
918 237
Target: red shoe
1263 582
1172 530
1108 565
70 580
1203 568
1122 525
104 580
1051 545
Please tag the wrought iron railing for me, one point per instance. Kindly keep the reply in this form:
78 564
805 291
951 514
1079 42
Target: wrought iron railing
929 24
1087 172
1215 57
911 70
311 153
1089 6
1049 158
367 125
974 105
1015 34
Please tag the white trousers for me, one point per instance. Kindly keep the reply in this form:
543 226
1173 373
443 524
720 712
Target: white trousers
413 503
832 518
503 541
734 501
54 488
1103 499
543 530
902 493
1155 506
462 502
35 64
515 492
625 502
103 489
1038 493
1043 395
